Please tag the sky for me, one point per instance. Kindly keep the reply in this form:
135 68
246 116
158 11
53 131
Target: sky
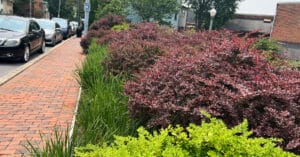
262 7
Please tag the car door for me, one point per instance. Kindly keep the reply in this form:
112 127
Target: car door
58 32
35 35
39 34
32 36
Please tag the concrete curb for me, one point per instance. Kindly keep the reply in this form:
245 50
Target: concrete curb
20 69
74 115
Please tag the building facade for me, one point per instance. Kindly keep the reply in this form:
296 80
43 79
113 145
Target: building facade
40 9
182 19
287 28
248 23
6 7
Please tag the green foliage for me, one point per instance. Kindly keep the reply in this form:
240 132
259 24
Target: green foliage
157 10
57 144
270 49
225 10
19 6
122 27
66 8
113 7
294 63
103 109
210 139
267 44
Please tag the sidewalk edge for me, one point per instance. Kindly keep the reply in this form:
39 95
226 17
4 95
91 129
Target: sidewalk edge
75 115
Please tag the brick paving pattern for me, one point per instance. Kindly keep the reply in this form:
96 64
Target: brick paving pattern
40 98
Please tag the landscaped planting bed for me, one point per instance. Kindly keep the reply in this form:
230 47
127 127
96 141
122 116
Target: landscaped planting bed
169 76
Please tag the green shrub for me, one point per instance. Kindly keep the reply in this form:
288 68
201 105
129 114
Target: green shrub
103 109
266 44
118 28
210 139
270 49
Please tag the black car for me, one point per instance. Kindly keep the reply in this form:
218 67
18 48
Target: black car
20 37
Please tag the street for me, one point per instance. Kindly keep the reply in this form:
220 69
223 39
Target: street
8 66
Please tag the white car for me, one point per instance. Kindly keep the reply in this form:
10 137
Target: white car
53 32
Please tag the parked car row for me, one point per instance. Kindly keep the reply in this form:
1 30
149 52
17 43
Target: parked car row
20 37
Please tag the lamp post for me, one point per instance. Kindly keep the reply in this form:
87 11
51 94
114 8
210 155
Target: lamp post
212 13
78 16
30 3
87 9
59 4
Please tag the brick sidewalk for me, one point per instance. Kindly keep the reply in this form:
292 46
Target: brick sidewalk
40 98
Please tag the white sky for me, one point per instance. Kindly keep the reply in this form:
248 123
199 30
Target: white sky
262 7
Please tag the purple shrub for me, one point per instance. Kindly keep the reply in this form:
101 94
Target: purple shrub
219 73
133 50
100 29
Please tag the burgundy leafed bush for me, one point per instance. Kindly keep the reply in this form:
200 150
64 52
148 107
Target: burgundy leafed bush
99 29
133 50
219 73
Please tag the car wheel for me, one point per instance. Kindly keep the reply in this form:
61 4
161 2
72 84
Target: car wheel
43 48
26 55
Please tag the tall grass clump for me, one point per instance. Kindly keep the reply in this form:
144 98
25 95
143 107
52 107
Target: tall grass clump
57 144
103 108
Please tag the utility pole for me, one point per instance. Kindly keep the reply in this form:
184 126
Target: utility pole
87 9
59 4
78 16
30 5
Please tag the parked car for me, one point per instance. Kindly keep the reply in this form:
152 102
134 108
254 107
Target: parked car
64 25
74 26
53 32
20 37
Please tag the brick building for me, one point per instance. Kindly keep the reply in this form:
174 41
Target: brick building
6 7
40 9
286 27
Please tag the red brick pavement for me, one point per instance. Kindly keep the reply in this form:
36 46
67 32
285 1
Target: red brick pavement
40 98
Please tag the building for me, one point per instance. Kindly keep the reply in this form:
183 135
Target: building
251 22
6 7
40 9
287 28
184 18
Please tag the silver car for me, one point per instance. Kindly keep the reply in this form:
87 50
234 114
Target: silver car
53 32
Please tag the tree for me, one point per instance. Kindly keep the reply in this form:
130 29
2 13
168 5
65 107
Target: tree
225 10
21 7
155 9
68 8
115 7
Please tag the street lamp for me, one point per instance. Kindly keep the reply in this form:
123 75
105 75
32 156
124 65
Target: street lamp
59 4
212 13
30 5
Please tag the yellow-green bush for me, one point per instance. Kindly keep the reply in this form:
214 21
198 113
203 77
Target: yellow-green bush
210 139
121 27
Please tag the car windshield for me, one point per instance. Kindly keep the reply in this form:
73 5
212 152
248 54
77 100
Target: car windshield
62 22
12 24
46 24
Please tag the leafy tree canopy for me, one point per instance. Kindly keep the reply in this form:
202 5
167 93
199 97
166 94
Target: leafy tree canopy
114 7
68 8
157 10
225 10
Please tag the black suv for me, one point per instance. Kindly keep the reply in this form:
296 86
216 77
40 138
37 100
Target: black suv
20 37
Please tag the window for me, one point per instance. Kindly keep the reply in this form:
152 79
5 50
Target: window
57 25
34 26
